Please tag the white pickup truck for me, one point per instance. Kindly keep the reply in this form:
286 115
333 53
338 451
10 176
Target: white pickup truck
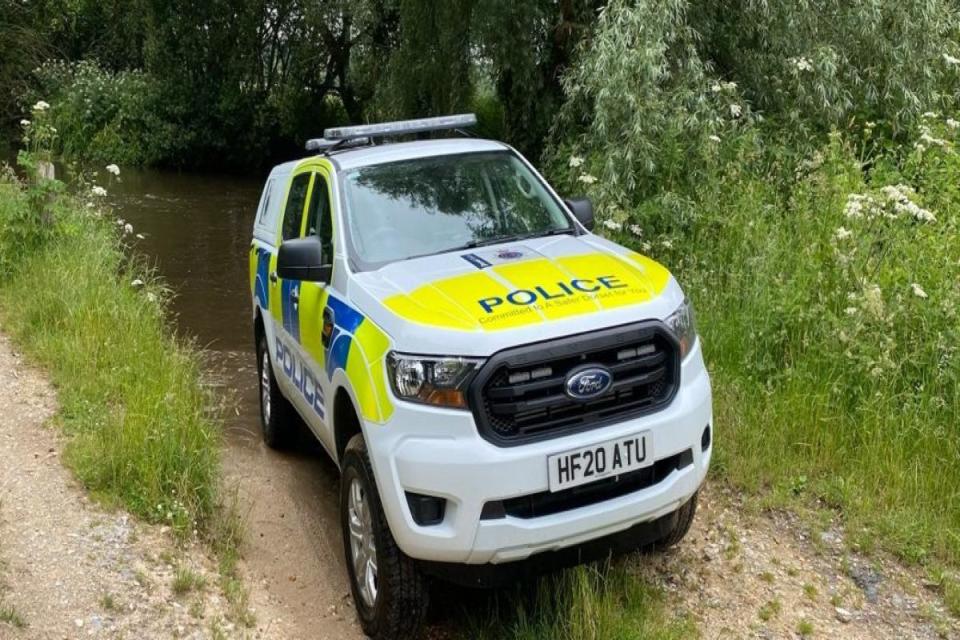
503 390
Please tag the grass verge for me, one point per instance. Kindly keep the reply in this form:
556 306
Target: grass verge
140 434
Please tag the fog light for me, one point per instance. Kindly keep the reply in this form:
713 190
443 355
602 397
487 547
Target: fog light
705 439
426 510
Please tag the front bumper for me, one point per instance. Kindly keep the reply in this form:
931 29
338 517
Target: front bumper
439 452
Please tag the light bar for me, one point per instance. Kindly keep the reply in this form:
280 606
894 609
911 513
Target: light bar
400 127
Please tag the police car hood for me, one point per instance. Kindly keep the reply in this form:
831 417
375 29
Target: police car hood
479 301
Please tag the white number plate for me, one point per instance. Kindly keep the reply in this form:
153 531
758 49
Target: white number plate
580 466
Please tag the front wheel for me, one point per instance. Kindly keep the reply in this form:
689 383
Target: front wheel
389 592
275 410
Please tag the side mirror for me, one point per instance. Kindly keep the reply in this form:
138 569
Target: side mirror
582 210
302 259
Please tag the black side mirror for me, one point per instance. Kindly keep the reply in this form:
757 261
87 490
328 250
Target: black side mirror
582 210
302 259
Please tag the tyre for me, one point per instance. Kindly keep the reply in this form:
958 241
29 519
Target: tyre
276 413
685 516
389 592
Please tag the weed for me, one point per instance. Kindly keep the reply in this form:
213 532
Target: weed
805 628
186 580
810 591
770 610
10 615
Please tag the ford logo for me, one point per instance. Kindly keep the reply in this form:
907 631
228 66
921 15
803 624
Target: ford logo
588 383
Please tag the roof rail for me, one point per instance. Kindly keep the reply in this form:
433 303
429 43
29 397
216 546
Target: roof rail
384 129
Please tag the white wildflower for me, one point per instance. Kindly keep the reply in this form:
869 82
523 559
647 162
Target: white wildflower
646 246
729 86
842 233
613 225
24 123
735 110
873 300
953 124
851 311
136 283
128 228
918 290
950 60
151 296
714 139
53 129
802 63
114 169
716 88
667 244
140 236
928 114
586 178
636 230
98 191
41 106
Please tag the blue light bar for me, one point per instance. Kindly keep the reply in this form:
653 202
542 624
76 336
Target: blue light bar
400 127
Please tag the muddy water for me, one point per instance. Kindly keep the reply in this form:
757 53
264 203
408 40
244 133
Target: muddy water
197 233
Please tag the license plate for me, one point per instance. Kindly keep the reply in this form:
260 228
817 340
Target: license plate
612 458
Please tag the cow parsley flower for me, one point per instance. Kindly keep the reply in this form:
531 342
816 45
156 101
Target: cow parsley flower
575 161
842 233
950 60
851 311
918 290
41 106
613 225
953 124
636 230
114 169
140 236
586 178
98 191
802 63
136 283
128 228
24 123
714 139
735 110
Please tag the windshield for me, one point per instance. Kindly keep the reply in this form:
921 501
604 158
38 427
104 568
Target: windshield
443 203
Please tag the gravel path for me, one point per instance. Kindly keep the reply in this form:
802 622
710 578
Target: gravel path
71 569
761 575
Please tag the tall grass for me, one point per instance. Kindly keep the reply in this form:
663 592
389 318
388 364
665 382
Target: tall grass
596 602
828 299
131 400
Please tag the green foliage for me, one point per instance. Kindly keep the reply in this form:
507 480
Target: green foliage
642 104
585 603
130 394
105 116
815 64
827 301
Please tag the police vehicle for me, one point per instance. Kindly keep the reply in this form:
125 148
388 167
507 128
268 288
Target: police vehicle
504 391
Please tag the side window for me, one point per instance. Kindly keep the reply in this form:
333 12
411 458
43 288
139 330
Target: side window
293 212
318 217
265 204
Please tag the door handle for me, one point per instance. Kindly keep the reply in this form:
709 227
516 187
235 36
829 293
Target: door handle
273 277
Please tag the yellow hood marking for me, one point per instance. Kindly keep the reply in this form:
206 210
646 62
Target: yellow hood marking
543 289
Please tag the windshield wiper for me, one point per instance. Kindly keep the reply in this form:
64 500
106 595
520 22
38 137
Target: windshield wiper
473 244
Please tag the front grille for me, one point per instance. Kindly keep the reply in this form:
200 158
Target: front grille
519 394
546 503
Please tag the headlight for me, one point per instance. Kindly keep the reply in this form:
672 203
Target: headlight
682 323
441 382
